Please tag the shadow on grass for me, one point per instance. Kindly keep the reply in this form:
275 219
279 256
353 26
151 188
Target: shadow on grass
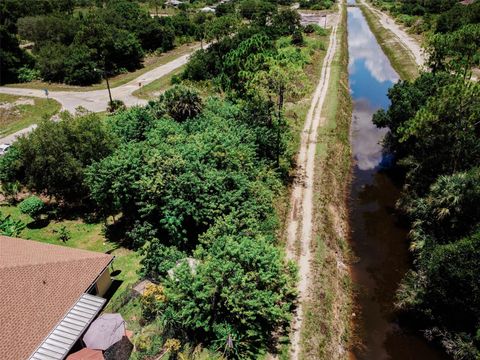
39 224
113 289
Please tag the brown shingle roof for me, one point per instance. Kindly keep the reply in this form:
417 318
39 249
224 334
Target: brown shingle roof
38 285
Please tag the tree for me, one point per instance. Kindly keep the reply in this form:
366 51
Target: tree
448 211
181 102
285 22
133 124
80 67
221 27
51 62
32 206
406 99
52 159
282 79
12 57
443 136
455 52
239 294
43 29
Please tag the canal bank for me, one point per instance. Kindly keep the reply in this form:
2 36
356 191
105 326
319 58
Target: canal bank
378 241
326 326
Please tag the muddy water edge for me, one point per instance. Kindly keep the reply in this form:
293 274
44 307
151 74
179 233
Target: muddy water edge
378 240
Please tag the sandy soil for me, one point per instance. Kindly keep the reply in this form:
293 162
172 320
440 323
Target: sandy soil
300 220
408 42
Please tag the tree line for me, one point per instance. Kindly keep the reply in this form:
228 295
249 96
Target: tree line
434 124
81 45
433 15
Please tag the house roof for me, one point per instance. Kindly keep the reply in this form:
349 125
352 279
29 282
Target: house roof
64 336
39 285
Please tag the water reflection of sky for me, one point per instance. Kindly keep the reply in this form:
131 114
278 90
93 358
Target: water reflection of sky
371 75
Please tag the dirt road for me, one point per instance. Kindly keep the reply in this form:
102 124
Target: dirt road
299 228
407 41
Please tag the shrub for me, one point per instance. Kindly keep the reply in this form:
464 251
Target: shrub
26 74
151 301
33 207
297 38
175 80
309 29
63 234
116 105
10 227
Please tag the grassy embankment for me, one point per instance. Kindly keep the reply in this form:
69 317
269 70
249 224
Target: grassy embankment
400 58
150 63
325 333
17 112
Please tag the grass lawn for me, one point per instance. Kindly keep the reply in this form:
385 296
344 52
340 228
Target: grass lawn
18 112
150 63
158 86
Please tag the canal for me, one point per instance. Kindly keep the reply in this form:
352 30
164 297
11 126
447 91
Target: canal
378 241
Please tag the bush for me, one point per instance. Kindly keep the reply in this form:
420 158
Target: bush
115 106
26 74
10 227
33 207
63 234
309 29
151 301
175 80
297 38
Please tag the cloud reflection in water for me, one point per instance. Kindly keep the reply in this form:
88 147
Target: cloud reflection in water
370 75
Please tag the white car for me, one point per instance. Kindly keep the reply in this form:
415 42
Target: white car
4 148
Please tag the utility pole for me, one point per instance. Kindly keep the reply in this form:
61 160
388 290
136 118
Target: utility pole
108 87
105 75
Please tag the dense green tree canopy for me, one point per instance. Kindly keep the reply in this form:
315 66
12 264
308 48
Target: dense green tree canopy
52 159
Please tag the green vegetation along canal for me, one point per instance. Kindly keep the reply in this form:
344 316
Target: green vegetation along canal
378 240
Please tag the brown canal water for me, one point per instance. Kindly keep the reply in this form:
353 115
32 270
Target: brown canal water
378 240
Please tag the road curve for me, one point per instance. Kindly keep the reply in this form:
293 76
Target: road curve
97 100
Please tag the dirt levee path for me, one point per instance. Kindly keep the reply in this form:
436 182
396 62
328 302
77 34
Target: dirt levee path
407 41
299 228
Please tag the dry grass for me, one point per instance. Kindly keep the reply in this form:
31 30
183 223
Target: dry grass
18 112
325 333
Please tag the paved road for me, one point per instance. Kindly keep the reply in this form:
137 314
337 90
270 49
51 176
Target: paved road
97 100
